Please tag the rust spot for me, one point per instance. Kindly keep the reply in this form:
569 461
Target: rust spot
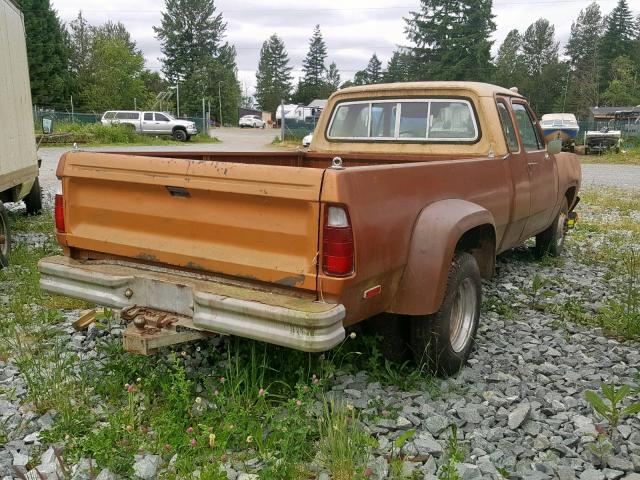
147 257
291 281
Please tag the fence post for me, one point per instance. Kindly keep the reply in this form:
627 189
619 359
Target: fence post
282 120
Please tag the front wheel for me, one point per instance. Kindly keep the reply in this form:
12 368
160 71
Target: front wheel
180 135
33 200
444 339
551 241
5 237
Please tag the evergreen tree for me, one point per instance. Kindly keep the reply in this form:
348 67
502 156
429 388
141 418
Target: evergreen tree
333 76
115 31
509 69
397 68
314 64
451 39
192 40
47 53
373 71
619 35
273 75
190 32
80 38
582 50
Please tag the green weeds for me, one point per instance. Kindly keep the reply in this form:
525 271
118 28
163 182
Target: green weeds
609 404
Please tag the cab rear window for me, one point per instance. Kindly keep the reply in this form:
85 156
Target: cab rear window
431 120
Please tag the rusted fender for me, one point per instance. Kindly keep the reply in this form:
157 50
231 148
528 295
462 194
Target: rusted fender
436 233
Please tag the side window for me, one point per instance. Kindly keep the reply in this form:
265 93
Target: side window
528 131
148 116
507 127
161 118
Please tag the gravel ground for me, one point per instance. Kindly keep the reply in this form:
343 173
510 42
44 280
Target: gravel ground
518 405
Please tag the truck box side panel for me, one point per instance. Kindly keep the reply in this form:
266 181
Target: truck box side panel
251 221
18 161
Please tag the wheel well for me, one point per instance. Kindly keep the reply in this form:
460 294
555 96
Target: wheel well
179 127
480 242
570 195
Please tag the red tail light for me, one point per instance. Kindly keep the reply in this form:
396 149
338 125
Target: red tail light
337 243
59 213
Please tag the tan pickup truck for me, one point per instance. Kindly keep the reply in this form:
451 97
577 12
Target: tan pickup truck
405 197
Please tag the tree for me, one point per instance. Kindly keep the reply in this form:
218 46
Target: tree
190 32
314 84
509 69
624 89
545 81
115 31
116 76
451 39
397 68
80 38
582 50
374 70
539 47
314 63
195 53
333 76
47 53
618 38
274 74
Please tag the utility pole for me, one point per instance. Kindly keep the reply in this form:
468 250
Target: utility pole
282 120
220 101
135 103
208 114
178 98
71 108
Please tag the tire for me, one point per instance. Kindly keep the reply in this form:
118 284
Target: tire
394 330
444 340
33 200
179 135
5 237
587 151
551 241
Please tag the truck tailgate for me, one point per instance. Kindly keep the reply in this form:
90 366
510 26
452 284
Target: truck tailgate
252 221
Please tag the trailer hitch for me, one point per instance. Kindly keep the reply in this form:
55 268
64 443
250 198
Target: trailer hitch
149 329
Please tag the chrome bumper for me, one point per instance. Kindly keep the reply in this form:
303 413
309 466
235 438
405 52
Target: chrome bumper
226 308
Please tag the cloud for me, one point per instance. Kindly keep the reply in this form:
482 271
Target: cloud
352 29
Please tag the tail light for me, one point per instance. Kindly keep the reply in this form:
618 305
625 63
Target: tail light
337 243
59 213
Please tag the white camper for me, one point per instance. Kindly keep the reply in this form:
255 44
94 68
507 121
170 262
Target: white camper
18 157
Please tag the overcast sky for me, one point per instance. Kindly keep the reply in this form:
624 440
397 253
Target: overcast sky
352 29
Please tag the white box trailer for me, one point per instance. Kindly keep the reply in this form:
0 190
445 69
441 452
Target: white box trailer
18 156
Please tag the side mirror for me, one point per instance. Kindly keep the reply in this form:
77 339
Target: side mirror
554 146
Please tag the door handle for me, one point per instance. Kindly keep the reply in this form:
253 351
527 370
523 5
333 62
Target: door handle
532 163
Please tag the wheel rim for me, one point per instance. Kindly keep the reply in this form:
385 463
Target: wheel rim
463 314
4 244
562 229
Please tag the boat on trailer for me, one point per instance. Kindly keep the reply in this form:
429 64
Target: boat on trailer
560 126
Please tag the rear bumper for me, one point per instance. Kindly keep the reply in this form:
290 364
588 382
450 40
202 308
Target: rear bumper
226 308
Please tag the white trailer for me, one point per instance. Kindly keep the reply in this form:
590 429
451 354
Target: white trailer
18 156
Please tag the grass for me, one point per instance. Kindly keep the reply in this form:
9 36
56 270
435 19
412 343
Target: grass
627 156
96 134
288 143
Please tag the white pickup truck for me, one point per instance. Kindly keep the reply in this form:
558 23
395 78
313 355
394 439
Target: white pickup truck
154 123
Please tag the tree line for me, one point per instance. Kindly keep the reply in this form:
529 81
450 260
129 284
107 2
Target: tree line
102 67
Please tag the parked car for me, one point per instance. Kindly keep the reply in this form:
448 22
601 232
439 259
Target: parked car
397 211
18 156
252 121
154 123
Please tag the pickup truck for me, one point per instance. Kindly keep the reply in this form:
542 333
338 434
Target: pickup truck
397 211
152 123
